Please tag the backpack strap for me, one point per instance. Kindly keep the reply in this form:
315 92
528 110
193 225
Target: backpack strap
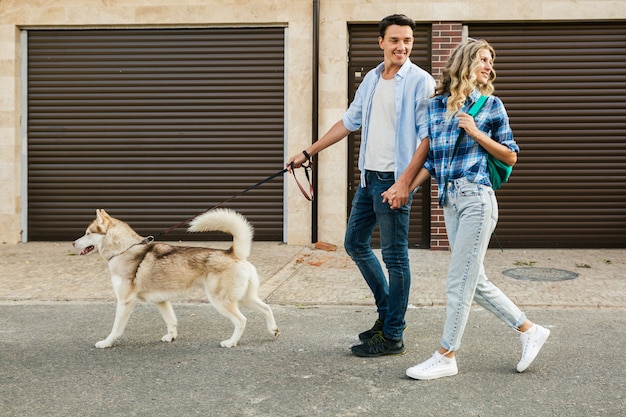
478 104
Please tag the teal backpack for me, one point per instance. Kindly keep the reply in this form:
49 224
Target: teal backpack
499 172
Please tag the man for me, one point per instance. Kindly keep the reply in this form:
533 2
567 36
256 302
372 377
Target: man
390 108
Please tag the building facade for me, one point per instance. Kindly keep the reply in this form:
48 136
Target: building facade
160 109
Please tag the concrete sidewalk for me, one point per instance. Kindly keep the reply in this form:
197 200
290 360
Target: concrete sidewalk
302 275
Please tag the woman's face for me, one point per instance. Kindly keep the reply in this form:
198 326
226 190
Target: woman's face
483 72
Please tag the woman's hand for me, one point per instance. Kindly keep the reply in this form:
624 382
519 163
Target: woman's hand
467 123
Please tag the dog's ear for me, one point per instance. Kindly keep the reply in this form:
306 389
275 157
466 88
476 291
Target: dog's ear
102 216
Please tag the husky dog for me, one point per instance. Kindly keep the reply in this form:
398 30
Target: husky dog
158 272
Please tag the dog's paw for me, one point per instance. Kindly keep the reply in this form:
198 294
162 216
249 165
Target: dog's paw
228 343
104 344
168 338
276 332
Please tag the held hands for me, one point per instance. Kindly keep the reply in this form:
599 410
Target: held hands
396 195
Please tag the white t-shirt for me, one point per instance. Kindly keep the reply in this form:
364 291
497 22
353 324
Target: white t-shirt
380 147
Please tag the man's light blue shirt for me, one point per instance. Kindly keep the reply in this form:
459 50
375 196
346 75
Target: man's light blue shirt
414 87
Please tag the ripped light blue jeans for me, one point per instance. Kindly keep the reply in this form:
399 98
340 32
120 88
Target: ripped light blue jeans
368 210
471 214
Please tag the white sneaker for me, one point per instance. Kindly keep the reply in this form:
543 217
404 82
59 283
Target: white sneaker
532 341
435 367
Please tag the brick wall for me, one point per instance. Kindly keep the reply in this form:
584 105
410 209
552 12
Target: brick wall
445 37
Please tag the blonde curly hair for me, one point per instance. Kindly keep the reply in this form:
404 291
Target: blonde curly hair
459 75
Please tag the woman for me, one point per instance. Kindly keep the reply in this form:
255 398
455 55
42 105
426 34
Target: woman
468 200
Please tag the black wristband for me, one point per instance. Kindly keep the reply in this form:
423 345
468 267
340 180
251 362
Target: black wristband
306 154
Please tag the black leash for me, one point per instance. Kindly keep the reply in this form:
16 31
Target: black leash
309 197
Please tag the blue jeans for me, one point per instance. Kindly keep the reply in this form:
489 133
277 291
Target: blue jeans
471 214
368 210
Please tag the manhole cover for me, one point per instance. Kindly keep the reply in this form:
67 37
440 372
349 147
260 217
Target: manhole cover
540 274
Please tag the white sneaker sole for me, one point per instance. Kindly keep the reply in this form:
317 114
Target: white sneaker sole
415 374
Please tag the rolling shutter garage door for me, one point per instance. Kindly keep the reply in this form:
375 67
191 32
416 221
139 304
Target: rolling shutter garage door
155 126
365 54
564 86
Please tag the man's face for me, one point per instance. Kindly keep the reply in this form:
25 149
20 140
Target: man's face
396 44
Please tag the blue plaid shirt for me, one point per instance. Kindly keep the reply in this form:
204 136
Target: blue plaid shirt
470 160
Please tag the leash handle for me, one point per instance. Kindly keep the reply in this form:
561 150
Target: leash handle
307 167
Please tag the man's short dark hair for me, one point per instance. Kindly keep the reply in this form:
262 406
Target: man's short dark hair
395 19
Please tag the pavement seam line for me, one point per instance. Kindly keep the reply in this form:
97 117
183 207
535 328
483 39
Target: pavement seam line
269 287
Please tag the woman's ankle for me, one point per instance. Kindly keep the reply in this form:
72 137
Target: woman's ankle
445 352
525 326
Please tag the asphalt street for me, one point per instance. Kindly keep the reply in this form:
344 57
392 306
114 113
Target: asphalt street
54 306
50 366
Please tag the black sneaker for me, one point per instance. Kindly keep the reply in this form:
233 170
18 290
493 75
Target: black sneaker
378 345
368 334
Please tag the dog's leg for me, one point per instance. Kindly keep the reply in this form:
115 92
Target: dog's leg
231 311
122 313
253 302
165 307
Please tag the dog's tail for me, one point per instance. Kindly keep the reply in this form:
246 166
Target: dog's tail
227 221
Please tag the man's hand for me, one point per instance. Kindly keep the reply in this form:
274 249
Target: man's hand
296 161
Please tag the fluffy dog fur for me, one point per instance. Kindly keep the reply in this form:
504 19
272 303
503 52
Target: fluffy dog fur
158 272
